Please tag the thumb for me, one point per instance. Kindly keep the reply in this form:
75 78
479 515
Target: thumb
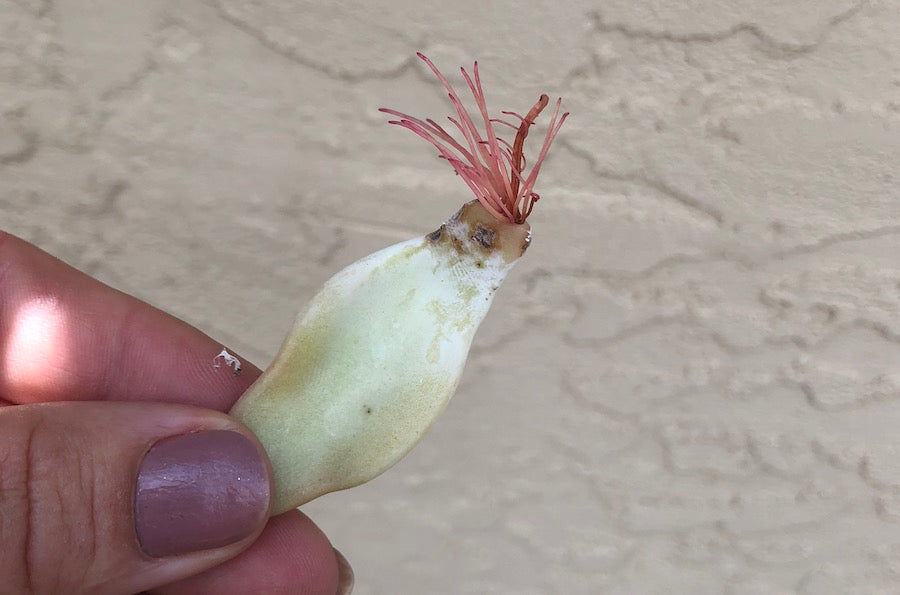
120 497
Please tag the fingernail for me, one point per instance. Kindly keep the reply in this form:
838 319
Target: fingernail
199 491
345 574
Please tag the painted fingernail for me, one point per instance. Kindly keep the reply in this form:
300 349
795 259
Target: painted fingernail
199 491
345 574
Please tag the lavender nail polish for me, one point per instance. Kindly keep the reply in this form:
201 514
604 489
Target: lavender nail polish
199 491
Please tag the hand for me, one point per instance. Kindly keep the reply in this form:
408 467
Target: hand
117 466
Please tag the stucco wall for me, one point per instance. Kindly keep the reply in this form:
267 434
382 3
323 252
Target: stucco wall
692 382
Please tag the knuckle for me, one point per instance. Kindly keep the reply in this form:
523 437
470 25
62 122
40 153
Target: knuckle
49 509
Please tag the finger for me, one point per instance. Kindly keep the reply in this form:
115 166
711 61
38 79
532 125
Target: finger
66 336
291 556
123 497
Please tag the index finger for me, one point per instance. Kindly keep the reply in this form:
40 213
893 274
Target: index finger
66 336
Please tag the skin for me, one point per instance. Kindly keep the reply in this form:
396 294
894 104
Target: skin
122 359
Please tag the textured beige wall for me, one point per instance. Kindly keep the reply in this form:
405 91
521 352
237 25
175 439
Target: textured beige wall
692 382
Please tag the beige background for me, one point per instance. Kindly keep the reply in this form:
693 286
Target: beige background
692 382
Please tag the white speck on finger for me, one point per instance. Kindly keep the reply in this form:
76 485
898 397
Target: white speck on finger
230 361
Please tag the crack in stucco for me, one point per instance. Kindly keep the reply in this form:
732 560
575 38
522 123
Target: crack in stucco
775 46
293 55
642 178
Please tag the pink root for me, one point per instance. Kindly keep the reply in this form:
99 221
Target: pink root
492 167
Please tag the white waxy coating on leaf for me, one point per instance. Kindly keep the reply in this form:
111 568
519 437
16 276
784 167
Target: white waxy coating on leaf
371 363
